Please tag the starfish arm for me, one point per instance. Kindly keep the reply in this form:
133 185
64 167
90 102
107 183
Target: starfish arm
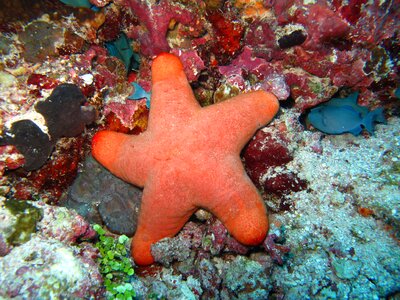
161 215
235 201
172 97
123 155
249 111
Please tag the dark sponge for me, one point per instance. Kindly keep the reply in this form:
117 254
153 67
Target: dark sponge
31 141
295 38
65 117
64 113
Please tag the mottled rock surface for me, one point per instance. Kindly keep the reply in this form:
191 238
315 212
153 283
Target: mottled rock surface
49 263
48 269
101 197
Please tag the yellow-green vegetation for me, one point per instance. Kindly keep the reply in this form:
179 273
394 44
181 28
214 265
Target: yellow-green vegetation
27 216
115 266
391 175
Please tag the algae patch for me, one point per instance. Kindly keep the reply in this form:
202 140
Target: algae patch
27 216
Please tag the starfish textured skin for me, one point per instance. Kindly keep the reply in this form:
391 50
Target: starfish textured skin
189 158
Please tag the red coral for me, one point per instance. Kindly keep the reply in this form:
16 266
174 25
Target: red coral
322 24
349 72
94 52
352 11
105 77
41 81
316 63
10 159
263 152
55 176
111 27
267 151
281 8
306 90
228 34
260 33
284 183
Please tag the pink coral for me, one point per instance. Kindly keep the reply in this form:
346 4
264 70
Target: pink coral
270 76
154 23
95 52
64 225
124 111
192 63
322 24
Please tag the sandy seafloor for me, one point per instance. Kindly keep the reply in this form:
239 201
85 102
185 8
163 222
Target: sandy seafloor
351 172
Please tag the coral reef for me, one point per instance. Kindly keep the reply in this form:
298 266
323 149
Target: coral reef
154 22
332 201
37 270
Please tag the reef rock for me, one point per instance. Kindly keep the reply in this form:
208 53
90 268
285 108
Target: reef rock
45 269
101 197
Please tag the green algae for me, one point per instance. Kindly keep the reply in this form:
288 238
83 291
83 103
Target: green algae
115 266
5 45
27 217
315 86
391 175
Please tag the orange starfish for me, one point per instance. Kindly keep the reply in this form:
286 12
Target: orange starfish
189 158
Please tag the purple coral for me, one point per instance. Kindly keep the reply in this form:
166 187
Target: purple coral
270 77
276 250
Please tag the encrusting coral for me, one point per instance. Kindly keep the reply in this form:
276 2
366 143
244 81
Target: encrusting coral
189 158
